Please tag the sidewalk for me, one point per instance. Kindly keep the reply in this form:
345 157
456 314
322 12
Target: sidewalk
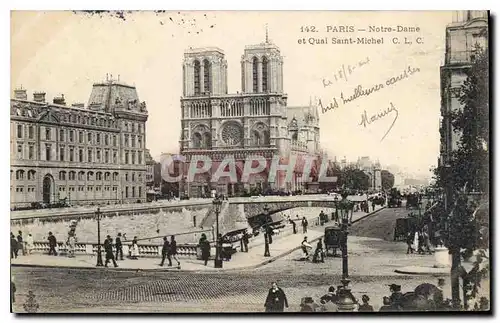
254 258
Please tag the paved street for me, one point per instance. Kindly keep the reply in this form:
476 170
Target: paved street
372 263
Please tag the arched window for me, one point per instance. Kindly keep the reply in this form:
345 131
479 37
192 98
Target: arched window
197 140
207 140
107 176
90 176
207 76
98 176
255 75
72 175
31 175
266 139
264 74
62 175
256 138
197 69
115 176
20 175
81 176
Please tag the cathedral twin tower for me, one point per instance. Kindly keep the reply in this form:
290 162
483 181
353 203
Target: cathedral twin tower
205 71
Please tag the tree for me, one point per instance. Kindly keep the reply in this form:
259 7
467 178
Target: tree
387 179
354 179
467 170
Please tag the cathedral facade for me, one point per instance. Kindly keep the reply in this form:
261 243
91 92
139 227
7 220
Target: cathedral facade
253 122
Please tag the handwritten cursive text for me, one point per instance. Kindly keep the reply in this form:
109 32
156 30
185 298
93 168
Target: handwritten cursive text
367 121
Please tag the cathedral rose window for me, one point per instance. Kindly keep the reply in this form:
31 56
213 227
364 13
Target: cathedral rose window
231 134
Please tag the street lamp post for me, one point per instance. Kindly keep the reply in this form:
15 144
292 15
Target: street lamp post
217 202
266 235
336 209
99 255
346 301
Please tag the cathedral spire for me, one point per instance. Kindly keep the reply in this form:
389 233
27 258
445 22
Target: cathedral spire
267 35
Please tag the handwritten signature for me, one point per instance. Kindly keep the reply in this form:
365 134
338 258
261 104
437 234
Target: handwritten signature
344 73
360 91
380 115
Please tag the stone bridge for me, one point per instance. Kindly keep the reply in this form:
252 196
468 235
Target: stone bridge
159 218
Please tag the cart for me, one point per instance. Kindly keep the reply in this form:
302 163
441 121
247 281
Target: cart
332 240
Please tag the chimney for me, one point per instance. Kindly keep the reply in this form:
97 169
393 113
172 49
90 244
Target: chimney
59 100
39 96
20 94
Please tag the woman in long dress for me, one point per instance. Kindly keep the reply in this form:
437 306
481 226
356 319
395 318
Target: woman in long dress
134 253
29 243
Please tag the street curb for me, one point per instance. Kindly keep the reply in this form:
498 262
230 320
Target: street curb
407 272
266 262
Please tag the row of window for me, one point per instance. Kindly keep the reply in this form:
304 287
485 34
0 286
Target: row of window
72 175
133 157
71 154
20 189
89 138
129 191
133 127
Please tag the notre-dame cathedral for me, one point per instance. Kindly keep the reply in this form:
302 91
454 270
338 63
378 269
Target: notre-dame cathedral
256 121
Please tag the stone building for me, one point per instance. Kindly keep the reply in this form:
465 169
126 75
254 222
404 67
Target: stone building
255 122
467 33
90 154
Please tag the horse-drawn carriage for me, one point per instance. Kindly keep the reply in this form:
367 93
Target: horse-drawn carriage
412 201
332 240
394 201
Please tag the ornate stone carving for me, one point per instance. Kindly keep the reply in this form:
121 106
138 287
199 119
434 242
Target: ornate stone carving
231 133
132 104
143 106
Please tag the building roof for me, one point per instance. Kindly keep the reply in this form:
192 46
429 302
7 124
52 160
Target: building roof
111 95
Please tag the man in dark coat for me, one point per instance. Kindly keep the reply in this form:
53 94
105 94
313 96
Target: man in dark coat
304 225
292 222
165 252
276 299
52 244
245 240
108 248
119 246
13 246
21 243
173 252
205 248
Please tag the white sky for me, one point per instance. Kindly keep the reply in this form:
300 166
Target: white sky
60 52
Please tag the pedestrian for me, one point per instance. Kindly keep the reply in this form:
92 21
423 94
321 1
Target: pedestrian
294 226
269 232
409 242
276 299
365 307
245 240
21 242
330 296
134 252
387 305
319 253
304 225
173 252
71 245
119 246
52 244
205 248
373 205
14 246
108 248
305 246
396 297
29 243
165 251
